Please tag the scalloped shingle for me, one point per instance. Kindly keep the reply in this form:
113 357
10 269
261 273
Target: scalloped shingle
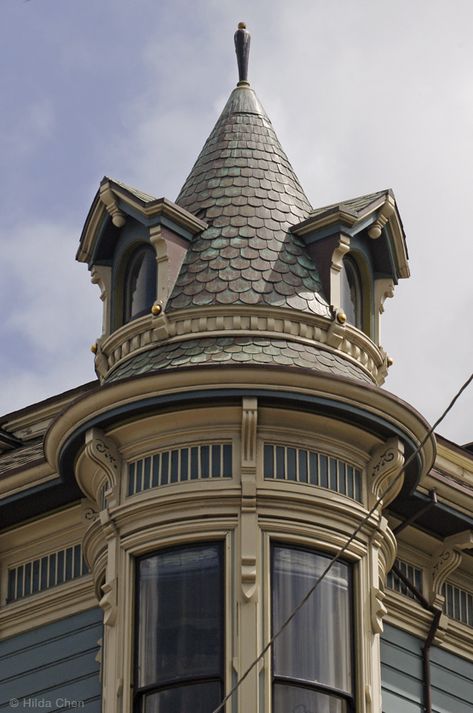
243 186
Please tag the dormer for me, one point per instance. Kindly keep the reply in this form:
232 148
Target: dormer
134 245
360 250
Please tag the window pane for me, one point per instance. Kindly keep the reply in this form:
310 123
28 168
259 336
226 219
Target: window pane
291 699
140 283
316 645
198 698
351 295
180 615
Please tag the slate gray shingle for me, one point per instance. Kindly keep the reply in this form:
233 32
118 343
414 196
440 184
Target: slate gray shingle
244 187
238 350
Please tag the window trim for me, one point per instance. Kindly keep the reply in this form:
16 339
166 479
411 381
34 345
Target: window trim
138 693
128 262
349 698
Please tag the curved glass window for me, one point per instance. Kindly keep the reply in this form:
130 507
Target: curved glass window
140 283
351 293
312 657
179 663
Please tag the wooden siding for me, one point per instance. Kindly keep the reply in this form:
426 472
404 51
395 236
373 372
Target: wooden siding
52 665
401 672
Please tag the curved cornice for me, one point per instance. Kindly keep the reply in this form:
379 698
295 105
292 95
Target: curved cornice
370 408
151 332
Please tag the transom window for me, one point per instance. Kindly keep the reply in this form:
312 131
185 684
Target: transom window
140 283
312 657
180 625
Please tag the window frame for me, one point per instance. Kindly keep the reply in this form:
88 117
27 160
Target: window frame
138 693
128 263
351 268
348 698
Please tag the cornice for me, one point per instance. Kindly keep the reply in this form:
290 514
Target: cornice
199 387
151 331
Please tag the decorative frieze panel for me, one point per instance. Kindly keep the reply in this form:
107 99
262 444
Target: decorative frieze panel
45 572
179 465
312 468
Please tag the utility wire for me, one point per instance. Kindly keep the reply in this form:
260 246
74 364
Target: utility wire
344 547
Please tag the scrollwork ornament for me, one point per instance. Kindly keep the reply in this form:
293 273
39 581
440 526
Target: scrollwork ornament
384 468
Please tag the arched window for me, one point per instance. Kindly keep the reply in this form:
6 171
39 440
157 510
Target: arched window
351 293
140 283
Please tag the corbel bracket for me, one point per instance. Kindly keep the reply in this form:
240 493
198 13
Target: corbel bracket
109 200
384 467
104 452
249 422
384 215
108 602
447 558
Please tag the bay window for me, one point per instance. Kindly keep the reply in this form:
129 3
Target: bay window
180 630
312 657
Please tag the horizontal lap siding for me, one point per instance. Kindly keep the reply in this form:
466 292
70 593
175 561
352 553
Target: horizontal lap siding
401 674
56 661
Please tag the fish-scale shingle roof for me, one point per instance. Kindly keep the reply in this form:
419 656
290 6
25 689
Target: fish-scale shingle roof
249 351
243 186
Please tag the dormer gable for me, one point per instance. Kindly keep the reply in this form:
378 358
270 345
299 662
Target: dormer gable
360 250
134 245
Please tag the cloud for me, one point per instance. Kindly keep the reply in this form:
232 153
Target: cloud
51 315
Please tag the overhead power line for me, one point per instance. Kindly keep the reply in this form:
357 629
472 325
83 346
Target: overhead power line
344 548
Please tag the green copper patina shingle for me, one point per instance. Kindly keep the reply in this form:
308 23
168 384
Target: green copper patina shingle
244 187
238 350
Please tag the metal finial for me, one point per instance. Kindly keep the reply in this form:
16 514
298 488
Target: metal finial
242 49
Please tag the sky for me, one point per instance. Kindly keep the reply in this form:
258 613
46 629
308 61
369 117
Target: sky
363 96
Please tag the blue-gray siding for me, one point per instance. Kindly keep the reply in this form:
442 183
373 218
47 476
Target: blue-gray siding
401 672
53 664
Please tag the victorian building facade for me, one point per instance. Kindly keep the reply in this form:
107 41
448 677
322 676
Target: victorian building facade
159 526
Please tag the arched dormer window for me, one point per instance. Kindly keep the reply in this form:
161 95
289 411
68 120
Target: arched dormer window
139 283
351 292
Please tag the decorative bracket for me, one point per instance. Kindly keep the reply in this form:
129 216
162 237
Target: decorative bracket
101 275
384 215
110 202
104 452
249 519
335 268
249 423
378 610
384 468
109 602
447 558
162 262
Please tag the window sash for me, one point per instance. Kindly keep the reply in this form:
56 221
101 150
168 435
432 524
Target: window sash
179 621
315 650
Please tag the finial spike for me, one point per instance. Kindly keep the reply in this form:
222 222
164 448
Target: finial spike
242 49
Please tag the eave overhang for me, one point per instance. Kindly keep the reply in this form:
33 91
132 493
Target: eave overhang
378 215
373 409
115 201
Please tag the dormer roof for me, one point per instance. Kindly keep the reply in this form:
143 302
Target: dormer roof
375 213
115 201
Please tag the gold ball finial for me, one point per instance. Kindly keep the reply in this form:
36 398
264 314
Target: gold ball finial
93 348
341 317
390 361
242 25
156 309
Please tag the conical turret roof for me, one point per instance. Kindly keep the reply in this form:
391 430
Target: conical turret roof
244 187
